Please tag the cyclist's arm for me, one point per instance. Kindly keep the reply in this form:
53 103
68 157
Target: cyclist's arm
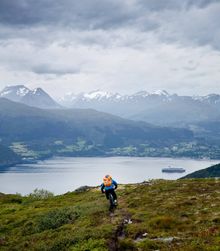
102 187
115 184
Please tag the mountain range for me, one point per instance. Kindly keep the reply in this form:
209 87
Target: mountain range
22 122
37 97
160 108
200 114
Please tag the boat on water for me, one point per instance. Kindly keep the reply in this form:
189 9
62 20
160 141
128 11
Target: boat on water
173 170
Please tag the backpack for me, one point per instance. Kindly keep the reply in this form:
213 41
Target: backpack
107 180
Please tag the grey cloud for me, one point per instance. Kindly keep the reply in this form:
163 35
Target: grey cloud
116 42
52 69
77 14
153 5
86 13
193 27
187 22
199 3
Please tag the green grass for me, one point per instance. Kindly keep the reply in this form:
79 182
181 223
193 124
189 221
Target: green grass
162 215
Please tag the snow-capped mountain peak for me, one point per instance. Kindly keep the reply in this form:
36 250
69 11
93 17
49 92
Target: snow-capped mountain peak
98 94
145 94
37 97
90 96
20 90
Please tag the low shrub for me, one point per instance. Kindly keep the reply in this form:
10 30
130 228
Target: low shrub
40 194
57 218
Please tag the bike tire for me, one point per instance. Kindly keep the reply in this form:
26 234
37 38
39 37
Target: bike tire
111 200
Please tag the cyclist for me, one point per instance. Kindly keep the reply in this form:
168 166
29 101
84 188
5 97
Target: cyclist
108 186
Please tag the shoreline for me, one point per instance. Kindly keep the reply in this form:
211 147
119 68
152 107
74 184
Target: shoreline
35 161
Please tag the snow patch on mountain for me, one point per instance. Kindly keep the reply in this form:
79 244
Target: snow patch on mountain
141 94
161 93
22 91
103 95
5 92
98 95
19 90
210 99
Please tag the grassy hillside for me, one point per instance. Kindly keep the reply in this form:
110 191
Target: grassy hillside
210 172
157 215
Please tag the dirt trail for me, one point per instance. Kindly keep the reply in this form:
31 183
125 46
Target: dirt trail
124 217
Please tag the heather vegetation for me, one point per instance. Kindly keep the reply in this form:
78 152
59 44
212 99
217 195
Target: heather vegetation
154 215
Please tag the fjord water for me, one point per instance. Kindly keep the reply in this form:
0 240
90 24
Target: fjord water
60 175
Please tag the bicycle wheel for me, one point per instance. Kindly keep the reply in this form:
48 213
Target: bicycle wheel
111 201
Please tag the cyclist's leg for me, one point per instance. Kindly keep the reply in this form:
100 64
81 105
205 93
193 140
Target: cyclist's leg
107 194
114 194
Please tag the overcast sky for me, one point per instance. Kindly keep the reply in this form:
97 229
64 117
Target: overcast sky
115 45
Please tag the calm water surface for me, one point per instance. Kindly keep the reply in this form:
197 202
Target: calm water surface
60 175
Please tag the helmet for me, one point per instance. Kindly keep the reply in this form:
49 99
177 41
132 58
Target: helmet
107 176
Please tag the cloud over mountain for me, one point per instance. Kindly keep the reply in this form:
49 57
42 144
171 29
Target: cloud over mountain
117 45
